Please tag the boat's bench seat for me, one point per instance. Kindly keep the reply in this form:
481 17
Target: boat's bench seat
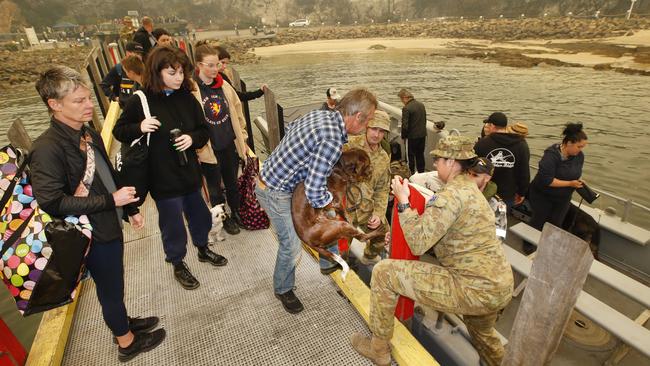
614 224
602 272
622 327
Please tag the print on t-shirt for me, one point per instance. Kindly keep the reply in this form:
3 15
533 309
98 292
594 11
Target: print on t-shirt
502 158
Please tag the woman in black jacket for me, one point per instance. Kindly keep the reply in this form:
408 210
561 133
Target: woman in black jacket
174 175
558 176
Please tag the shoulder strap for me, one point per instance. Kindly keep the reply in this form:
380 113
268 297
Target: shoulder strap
145 105
17 233
12 184
145 110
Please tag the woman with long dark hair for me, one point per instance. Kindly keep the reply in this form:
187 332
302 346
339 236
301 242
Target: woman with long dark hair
558 176
174 174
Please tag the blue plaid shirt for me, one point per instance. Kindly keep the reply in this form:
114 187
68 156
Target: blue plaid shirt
310 148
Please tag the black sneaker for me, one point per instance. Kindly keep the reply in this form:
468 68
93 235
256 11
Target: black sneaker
290 302
141 325
230 226
330 270
185 277
142 342
206 255
237 219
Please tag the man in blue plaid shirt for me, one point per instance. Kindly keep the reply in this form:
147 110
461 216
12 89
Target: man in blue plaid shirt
312 145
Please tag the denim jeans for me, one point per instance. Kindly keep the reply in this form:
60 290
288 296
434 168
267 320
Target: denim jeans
277 205
326 263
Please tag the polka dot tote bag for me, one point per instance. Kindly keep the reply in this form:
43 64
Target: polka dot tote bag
42 258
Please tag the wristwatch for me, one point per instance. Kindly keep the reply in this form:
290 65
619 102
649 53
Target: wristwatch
402 206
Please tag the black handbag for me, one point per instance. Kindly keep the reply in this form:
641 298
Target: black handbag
587 193
131 162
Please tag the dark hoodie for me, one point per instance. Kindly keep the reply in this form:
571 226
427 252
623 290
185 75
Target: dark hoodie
551 166
510 155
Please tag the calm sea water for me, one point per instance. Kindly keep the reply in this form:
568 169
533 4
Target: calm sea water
615 109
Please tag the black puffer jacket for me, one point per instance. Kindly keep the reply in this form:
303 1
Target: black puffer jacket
57 166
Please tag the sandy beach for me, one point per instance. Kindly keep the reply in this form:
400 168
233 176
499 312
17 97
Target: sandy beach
557 49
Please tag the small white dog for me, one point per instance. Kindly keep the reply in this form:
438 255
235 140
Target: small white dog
218 215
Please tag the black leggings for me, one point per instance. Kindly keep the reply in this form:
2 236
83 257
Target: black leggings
105 262
226 169
546 209
416 154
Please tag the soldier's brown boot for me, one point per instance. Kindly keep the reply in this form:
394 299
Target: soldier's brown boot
375 349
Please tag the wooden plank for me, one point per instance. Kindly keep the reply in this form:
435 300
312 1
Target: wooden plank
236 79
555 282
406 350
600 271
109 122
103 67
52 335
96 121
272 119
95 79
18 135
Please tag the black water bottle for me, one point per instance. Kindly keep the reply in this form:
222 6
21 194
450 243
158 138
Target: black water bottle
182 156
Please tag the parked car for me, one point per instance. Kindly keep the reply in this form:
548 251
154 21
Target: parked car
300 23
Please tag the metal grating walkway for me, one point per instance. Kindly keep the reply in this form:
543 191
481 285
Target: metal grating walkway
233 318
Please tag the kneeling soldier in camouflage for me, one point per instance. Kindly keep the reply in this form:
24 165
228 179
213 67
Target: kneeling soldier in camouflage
474 277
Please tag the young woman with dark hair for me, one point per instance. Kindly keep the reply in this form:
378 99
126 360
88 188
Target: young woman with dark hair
174 180
558 176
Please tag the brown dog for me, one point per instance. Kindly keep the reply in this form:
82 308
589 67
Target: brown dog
313 226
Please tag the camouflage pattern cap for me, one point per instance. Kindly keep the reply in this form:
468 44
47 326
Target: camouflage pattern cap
455 147
381 120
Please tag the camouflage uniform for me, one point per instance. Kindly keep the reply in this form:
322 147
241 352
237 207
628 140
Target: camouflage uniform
127 30
370 197
474 278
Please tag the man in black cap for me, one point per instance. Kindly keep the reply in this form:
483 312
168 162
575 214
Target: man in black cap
510 156
116 85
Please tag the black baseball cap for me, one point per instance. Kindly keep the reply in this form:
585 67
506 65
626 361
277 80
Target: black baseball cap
482 166
497 119
134 47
